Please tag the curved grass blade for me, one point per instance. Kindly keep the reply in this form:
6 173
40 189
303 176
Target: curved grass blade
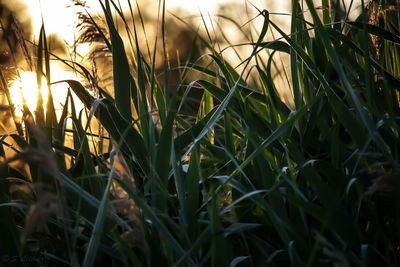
132 145
160 226
97 232
121 71
367 121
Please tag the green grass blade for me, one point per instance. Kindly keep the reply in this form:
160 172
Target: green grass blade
97 232
149 213
121 71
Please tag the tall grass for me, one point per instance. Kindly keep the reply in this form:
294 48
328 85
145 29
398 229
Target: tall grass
244 180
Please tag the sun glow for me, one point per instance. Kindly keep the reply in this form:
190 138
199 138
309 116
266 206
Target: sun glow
25 90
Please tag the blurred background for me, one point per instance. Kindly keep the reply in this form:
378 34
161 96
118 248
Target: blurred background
72 36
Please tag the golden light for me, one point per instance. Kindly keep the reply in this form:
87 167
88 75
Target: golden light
25 89
58 17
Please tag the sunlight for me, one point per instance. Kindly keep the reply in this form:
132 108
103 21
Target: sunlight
58 16
25 89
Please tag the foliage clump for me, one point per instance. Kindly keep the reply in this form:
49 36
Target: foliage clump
241 177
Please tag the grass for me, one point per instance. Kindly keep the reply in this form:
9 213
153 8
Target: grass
241 179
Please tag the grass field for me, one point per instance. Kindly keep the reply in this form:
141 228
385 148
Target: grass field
145 176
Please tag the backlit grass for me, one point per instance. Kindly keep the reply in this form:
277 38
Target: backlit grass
238 177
